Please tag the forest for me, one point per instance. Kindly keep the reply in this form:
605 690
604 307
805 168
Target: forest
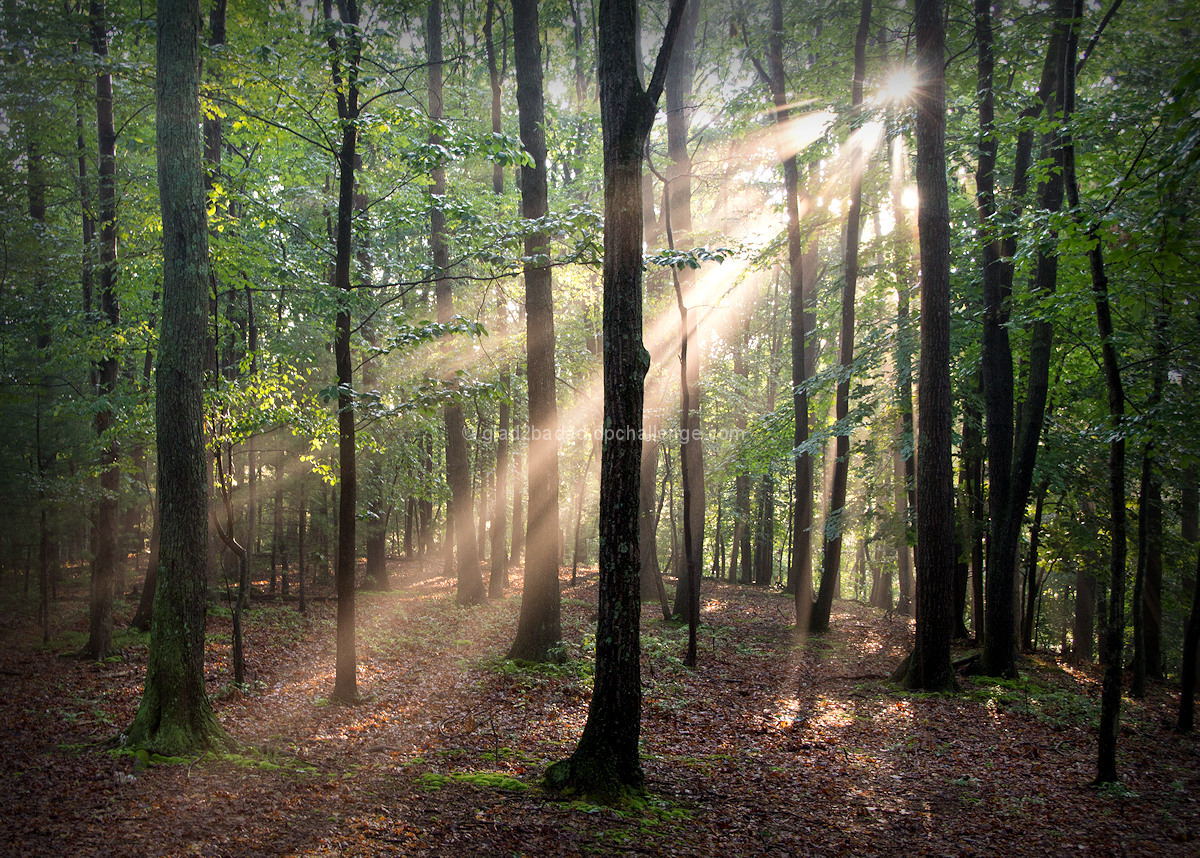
599 426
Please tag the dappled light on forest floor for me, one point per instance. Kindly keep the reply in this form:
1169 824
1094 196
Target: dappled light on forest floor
769 747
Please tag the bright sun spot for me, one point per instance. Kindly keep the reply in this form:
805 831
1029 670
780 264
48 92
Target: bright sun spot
900 85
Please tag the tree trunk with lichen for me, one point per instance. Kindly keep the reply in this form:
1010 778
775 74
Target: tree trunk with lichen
175 716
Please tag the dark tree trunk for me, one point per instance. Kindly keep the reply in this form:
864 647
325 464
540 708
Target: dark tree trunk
471 590
539 630
606 761
1191 649
1147 594
929 665
345 686
1028 641
1012 450
174 717
799 574
104 563
831 560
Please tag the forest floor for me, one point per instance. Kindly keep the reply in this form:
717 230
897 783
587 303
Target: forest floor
771 747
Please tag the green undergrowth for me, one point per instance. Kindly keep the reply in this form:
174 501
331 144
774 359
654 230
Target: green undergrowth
70 642
1033 697
432 781
636 821
246 757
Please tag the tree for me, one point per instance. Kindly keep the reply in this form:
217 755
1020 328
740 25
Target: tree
605 763
345 58
1012 448
539 630
104 528
677 219
928 667
831 561
470 578
174 716
800 562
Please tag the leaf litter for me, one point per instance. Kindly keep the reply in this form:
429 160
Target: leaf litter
771 747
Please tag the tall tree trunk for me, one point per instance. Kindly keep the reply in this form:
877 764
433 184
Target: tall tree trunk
1012 450
539 629
606 761
929 666
470 577
831 561
104 564
906 491
498 579
1028 641
174 717
677 218
1147 588
345 685
799 576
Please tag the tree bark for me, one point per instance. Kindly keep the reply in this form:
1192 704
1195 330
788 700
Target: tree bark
606 763
1012 450
677 217
345 687
470 577
175 716
104 528
539 629
831 561
928 666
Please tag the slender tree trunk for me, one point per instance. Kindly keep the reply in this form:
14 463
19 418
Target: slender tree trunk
345 687
1012 450
1028 641
104 563
174 716
677 218
606 761
831 561
581 491
470 577
1147 590
498 579
539 629
302 546
929 666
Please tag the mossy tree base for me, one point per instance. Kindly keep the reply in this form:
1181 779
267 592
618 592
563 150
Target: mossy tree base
166 733
909 676
596 777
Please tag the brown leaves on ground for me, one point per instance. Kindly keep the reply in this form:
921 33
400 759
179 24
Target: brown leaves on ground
769 748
